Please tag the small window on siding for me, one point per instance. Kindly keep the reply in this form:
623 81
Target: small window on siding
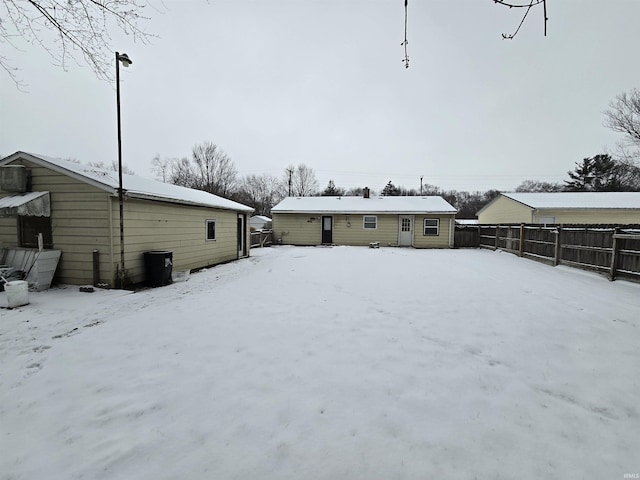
211 229
370 222
431 226
30 227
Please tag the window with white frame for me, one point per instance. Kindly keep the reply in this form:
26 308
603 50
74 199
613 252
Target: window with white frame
211 230
370 222
431 226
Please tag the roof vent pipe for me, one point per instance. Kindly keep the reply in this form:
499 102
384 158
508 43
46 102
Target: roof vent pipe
365 192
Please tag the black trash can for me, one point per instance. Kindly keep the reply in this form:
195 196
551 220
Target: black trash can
158 266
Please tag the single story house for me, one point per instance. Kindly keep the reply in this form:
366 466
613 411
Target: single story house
76 210
259 222
420 222
563 208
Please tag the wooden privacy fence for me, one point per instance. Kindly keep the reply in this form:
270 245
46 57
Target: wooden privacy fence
610 249
466 236
261 239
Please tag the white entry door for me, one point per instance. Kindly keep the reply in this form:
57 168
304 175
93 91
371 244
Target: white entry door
405 235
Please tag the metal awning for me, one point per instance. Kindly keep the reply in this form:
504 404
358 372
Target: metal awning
32 204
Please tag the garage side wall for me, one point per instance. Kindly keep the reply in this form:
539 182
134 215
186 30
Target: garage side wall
182 229
624 217
505 210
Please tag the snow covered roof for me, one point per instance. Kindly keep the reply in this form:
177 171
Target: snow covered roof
578 200
261 218
406 205
133 185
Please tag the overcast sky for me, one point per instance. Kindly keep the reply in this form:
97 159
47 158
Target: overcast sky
276 82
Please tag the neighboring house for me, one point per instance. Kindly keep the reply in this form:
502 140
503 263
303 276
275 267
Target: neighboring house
76 208
563 208
259 222
421 222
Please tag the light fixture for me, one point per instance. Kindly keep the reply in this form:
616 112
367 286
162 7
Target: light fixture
124 58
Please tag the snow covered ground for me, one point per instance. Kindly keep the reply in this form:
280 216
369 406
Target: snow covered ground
328 363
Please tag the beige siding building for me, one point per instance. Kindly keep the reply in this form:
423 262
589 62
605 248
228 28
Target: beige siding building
420 222
200 229
563 208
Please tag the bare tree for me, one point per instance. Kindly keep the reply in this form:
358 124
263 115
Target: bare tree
357 192
260 192
209 169
539 186
161 167
300 181
69 29
215 172
113 167
623 116
182 173
527 6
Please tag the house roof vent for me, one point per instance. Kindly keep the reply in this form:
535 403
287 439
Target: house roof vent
13 178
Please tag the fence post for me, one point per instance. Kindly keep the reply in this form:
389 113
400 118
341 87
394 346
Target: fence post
521 238
614 254
556 259
497 237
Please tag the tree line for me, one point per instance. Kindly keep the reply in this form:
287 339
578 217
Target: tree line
210 169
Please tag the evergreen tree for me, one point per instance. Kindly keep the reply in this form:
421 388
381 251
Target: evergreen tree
390 190
332 190
602 173
581 177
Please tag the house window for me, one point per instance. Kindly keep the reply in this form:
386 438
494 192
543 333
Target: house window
211 229
370 222
30 227
431 226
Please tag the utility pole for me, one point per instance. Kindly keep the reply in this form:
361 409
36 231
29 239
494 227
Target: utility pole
421 176
290 172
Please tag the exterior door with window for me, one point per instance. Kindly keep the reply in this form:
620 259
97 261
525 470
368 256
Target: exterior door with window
405 236
327 229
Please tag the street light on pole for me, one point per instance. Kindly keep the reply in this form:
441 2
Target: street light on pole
126 61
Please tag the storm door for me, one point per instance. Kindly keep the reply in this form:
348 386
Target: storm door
327 230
